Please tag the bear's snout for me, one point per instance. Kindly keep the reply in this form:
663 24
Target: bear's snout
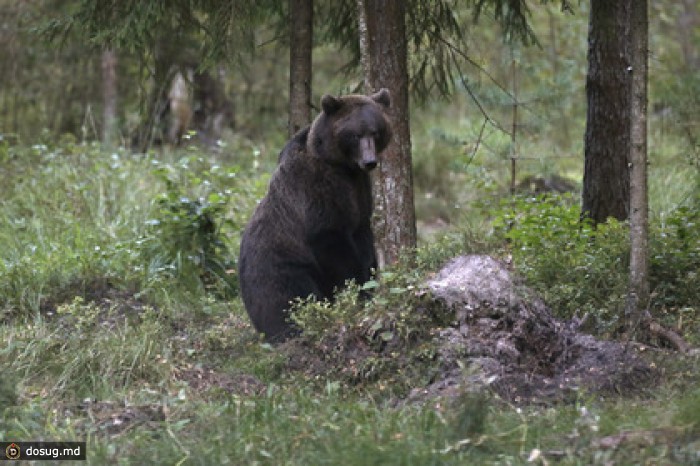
368 154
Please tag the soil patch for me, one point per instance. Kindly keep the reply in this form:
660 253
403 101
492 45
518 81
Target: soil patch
511 341
500 336
203 379
112 418
99 290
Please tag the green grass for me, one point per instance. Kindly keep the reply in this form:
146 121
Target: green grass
109 334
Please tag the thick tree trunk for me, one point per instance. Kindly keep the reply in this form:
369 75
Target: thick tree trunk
638 298
384 58
606 176
109 97
300 51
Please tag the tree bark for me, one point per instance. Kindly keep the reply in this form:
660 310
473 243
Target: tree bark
109 97
384 59
606 178
638 297
300 52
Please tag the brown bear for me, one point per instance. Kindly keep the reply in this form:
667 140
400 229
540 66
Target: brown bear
311 232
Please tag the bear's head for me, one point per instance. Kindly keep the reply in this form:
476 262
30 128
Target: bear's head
351 130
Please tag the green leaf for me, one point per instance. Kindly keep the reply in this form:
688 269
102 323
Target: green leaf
370 285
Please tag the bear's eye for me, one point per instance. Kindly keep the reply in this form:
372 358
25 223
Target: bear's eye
353 138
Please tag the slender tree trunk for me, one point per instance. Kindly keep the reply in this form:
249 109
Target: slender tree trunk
153 124
606 178
638 298
300 51
384 59
687 23
109 97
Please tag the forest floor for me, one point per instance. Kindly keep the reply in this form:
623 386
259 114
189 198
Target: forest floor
507 338
507 383
119 326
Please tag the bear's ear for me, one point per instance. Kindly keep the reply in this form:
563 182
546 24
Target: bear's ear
330 104
383 97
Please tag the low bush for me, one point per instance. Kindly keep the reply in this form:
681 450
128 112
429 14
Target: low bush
383 343
187 234
581 269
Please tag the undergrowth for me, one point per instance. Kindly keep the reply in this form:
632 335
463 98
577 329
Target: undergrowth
120 325
159 223
581 270
383 344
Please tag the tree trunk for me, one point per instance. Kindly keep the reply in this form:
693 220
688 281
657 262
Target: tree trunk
606 176
384 59
153 124
109 97
300 50
638 298
687 22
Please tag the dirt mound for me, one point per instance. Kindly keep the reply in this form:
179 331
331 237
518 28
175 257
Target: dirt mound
474 325
509 340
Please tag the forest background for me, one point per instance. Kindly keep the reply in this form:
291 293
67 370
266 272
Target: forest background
121 322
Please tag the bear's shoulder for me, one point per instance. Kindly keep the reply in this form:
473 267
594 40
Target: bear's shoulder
296 145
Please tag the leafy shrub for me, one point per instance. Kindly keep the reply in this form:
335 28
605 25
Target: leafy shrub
186 237
581 269
577 268
675 259
66 211
385 340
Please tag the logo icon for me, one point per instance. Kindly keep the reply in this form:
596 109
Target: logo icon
12 451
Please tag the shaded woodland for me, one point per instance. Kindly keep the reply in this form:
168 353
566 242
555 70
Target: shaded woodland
536 219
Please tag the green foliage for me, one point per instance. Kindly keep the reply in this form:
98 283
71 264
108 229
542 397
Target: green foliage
577 268
188 236
675 259
92 362
139 26
61 228
688 411
8 391
75 219
395 328
131 239
679 96
469 415
154 368
580 269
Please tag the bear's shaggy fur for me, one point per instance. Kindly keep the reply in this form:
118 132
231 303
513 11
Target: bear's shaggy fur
311 232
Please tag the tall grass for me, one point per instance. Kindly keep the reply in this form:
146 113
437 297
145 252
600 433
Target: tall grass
73 214
108 335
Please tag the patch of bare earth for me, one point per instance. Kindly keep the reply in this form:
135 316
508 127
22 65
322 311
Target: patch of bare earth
502 337
114 418
508 339
204 379
114 303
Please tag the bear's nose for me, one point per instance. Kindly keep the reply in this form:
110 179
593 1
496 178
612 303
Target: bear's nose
368 154
370 165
